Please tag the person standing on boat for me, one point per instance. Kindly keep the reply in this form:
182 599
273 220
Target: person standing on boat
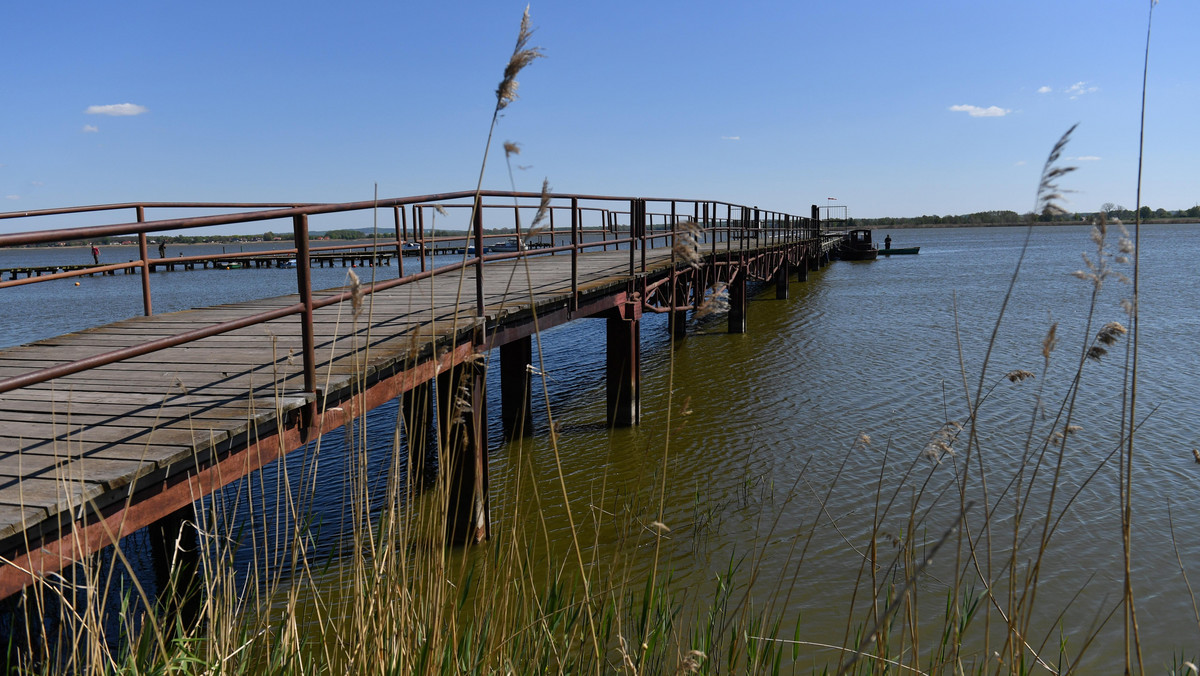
887 242
95 254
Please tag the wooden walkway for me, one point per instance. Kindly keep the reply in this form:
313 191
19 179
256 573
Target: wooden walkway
83 437
86 448
89 457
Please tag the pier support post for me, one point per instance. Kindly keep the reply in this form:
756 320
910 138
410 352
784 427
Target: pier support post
175 555
782 277
802 269
623 368
679 317
516 388
416 413
737 302
462 460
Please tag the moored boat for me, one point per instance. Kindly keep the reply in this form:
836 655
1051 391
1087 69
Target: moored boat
900 251
858 247
508 245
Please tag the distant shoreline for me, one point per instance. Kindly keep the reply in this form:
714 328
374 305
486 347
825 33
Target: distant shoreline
1056 224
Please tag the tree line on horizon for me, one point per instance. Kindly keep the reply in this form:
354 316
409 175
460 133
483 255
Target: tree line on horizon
1008 217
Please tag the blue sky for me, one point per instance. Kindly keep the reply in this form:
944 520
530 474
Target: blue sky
893 108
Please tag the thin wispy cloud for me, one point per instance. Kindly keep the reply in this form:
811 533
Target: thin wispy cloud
1045 90
117 109
1019 163
976 111
12 197
1079 89
1087 158
89 129
731 138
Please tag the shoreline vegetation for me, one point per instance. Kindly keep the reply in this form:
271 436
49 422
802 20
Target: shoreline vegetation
1015 224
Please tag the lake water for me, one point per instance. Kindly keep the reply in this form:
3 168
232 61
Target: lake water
876 348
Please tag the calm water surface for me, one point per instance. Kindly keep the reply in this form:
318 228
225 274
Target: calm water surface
876 348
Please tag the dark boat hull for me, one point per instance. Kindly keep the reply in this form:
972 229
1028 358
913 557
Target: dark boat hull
849 254
900 252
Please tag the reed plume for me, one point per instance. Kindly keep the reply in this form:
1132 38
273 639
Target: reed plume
522 56
1050 195
687 243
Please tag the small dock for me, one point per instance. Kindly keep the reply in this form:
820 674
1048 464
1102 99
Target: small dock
215 262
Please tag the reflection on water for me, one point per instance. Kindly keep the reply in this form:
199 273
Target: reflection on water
876 348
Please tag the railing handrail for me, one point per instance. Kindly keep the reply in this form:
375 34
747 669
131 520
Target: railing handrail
640 233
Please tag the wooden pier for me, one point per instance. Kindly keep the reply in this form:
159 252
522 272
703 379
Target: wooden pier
261 259
114 428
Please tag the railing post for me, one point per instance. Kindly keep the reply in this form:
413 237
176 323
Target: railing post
304 287
674 226
642 230
419 226
575 253
143 252
398 216
478 227
728 227
710 225
633 211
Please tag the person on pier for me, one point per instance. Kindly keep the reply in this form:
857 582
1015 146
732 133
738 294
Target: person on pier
162 248
95 254
887 242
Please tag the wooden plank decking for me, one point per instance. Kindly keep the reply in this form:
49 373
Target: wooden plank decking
86 441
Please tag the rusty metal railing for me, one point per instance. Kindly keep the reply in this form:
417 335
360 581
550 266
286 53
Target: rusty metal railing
595 222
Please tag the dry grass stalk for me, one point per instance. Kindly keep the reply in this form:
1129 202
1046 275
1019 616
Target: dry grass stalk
687 243
1107 337
522 56
1049 194
535 228
356 293
941 442
1019 376
716 301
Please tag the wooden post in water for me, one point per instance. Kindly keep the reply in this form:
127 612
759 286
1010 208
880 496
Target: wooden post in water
679 299
782 274
416 413
516 391
623 370
462 459
175 556
737 302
